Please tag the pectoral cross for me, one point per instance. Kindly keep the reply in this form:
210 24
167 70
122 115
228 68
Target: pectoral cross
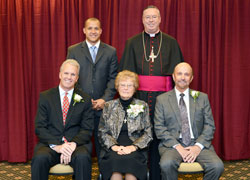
125 120
152 55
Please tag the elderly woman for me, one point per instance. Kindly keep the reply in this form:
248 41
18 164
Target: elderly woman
125 132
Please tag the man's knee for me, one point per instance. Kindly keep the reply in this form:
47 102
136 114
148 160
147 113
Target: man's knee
40 164
82 158
218 167
40 159
167 165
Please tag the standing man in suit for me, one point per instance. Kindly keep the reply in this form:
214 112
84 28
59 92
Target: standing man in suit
64 125
99 65
185 128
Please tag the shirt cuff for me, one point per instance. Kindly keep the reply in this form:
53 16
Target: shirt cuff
200 145
175 146
52 146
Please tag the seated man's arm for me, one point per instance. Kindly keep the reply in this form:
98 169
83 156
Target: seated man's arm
86 124
42 122
161 120
206 135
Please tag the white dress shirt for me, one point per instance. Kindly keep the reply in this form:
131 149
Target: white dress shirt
96 45
62 94
186 100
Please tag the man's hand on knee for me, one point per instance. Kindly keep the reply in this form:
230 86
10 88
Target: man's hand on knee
182 151
65 159
193 152
66 149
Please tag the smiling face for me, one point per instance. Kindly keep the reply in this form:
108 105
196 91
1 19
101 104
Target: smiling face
92 30
126 88
183 76
151 20
68 77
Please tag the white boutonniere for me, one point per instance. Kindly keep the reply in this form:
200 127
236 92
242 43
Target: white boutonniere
77 98
194 94
134 110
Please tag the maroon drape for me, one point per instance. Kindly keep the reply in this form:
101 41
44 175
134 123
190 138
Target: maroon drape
34 35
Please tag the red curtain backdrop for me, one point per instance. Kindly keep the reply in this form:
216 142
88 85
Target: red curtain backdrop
34 35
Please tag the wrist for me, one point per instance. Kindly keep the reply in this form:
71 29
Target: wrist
136 147
178 147
113 147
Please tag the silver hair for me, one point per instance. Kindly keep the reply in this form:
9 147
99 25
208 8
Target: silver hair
72 62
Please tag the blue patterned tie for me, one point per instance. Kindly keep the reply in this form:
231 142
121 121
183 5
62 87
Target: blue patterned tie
185 129
93 53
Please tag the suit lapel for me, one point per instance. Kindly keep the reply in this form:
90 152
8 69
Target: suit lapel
173 102
71 108
100 52
86 52
191 110
58 108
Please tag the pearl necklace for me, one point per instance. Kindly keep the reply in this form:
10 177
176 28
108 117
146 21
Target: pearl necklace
152 56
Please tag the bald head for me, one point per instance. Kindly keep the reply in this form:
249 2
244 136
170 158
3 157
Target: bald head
184 65
182 76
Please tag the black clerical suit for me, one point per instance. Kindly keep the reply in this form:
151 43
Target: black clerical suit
134 59
49 129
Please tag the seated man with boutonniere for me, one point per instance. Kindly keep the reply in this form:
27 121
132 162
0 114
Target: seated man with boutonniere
184 124
125 132
64 125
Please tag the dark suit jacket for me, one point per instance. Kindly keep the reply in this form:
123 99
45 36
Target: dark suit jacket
49 121
168 120
96 79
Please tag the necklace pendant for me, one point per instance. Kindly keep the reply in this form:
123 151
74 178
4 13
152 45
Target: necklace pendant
152 55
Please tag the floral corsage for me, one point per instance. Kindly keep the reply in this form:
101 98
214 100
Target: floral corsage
77 98
194 94
134 110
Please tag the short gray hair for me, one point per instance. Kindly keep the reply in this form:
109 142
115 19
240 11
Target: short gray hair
151 6
72 62
125 75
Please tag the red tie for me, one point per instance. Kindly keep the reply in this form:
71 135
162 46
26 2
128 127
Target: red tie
65 107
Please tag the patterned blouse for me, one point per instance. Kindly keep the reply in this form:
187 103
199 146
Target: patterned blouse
139 127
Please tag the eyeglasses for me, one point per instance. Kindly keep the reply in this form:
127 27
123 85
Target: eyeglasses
129 86
150 17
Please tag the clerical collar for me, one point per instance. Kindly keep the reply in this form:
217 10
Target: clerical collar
152 35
